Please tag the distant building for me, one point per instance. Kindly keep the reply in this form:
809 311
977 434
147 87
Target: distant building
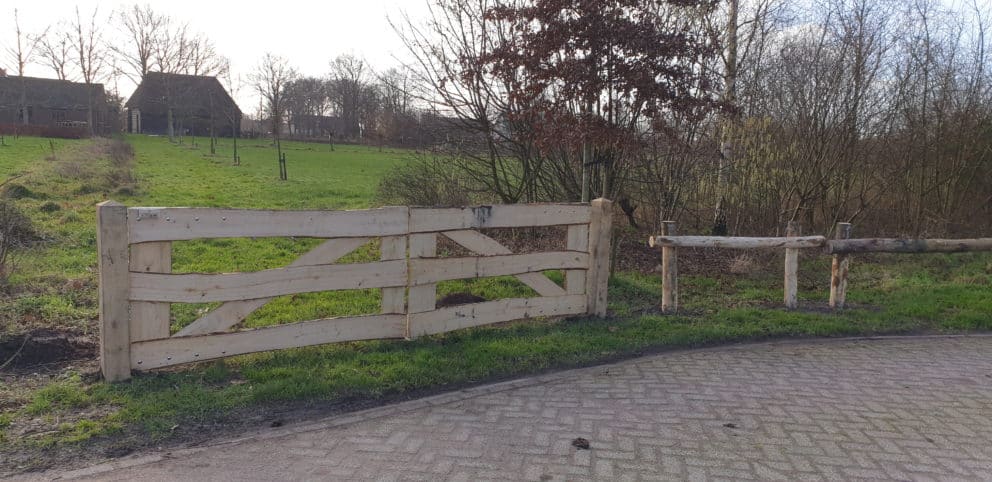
53 103
173 103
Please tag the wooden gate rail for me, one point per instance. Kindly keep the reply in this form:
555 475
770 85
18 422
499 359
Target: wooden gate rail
137 284
840 248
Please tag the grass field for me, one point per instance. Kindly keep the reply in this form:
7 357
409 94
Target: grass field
53 286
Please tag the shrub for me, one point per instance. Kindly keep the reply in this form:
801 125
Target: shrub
120 153
75 169
125 191
742 264
71 217
425 181
86 189
16 231
50 207
17 191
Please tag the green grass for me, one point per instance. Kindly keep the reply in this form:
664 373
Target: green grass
888 294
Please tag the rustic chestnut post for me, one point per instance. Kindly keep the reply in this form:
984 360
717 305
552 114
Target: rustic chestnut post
838 270
669 272
112 247
792 268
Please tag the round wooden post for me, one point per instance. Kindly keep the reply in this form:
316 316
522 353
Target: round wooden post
838 270
669 272
792 268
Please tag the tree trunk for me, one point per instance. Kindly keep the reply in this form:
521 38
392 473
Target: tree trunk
586 162
727 145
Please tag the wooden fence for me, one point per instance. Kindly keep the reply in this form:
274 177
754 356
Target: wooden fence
137 285
840 248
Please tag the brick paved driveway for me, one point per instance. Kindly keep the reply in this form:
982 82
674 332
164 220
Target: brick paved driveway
881 409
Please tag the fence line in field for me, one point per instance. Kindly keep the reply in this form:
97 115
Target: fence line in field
840 248
137 285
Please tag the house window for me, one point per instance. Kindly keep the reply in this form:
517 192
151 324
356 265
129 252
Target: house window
58 115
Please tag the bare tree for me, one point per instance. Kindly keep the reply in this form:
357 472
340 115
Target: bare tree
89 50
270 79
349 81
178 50
231 113
24 48
143 29
56 53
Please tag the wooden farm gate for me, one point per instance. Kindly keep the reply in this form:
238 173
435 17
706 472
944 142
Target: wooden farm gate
137 285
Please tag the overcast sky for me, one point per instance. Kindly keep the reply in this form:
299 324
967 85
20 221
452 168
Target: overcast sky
308 33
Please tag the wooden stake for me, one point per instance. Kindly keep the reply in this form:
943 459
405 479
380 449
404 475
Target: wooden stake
792 268
838 270
669 272
598 275
112 246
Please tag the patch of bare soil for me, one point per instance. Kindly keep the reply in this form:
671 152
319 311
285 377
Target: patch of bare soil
44 346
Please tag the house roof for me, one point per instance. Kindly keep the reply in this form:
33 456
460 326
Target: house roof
16 91
185 94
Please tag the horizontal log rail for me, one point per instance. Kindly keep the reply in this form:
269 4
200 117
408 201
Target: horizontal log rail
736 242
137 284
883 245
840 248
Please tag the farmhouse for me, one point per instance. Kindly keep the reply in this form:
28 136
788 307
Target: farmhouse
52 105
177 103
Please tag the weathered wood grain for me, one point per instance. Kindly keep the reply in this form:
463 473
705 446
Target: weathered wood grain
112 247
577 240
175 224
889 245
791 277
150 320
838 270
499 216
476 314
669 272
206 288
600 237
173 351
426 271
799 242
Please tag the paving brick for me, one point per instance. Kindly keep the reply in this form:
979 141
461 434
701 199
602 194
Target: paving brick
908 409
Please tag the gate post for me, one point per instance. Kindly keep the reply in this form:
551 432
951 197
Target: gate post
598 276
112 246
